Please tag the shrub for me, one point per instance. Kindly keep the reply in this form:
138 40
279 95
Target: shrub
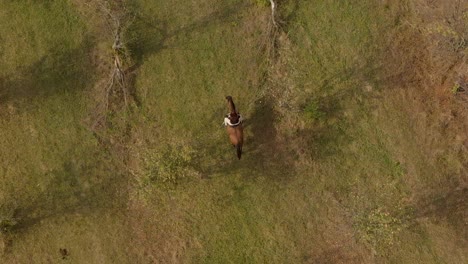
312 111
261 3
170 164
7 221
456 88
7 224
379 227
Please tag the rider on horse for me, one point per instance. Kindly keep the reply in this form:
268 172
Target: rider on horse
233 123
233 119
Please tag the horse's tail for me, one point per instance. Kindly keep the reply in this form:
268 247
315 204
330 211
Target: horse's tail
239 150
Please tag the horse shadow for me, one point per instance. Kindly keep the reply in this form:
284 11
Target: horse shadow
263 154
266 155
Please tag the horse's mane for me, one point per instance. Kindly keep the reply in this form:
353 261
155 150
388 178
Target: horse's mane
233 116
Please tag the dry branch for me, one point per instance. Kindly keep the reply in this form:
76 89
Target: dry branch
114 90
272 35
273 9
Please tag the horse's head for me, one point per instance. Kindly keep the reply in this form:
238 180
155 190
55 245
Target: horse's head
233 115
232 107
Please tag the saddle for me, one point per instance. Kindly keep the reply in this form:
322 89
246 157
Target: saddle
228 121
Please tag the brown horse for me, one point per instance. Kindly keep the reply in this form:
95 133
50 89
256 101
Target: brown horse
233 123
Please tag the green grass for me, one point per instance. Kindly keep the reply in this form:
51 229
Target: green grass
56 179
32 31
41 115
180 83
337 176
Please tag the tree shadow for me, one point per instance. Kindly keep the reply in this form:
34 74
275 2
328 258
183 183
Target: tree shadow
149 35
288 12
327 135
450 206
272 154
70 191
57 72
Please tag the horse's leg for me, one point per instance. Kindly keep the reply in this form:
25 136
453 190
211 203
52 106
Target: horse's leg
239 150
240 140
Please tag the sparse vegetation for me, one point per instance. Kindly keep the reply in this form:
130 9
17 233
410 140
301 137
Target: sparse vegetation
379 228
261 3
312 111
169 165
356 148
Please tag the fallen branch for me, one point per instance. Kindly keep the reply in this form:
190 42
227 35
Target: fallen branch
272 35
115 89
273 8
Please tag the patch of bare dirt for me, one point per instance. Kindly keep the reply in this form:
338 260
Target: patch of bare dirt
426 64
156 241
339 244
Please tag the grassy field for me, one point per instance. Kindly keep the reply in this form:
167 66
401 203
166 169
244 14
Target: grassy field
354 153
